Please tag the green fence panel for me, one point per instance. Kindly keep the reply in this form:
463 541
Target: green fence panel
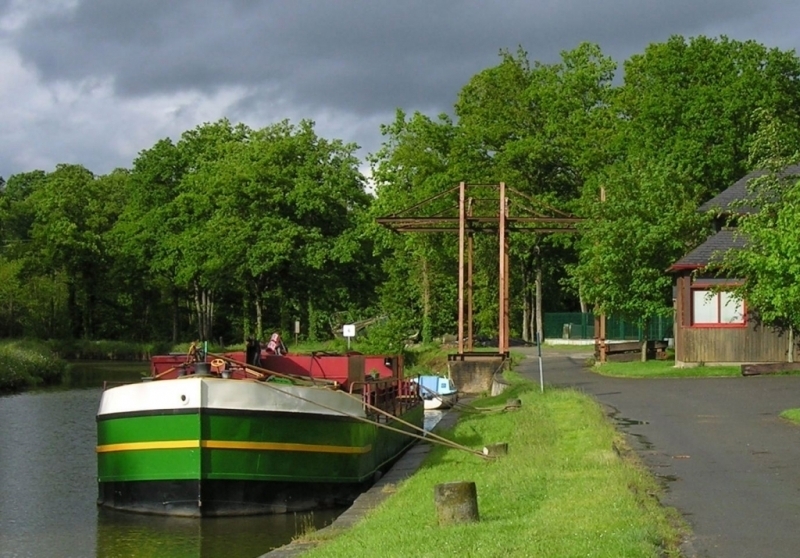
578 325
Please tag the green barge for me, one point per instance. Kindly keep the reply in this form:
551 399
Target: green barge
227 437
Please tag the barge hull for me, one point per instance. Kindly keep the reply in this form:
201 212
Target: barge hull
214 498
245 449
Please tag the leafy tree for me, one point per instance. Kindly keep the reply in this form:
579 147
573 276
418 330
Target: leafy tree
646 223
34 297
693 101
688 111
539 128
769 263
281 211
415 164
73 212
265 216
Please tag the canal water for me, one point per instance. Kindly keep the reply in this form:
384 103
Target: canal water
48 488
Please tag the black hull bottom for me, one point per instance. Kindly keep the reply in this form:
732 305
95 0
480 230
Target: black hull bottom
214 498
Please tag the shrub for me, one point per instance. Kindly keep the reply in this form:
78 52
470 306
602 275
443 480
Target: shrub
29 364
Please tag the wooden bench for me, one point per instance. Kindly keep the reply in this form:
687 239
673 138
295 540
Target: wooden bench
629 351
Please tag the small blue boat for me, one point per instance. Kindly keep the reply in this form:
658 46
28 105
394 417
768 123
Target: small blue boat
437 392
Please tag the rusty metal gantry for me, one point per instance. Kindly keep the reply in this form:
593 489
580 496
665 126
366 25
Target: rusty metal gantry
466 223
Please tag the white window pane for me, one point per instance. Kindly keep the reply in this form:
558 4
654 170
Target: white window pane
705 307
731 309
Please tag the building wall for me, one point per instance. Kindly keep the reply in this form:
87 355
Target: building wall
752 343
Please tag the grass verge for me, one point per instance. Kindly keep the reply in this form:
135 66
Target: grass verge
566 488
663 369
792 415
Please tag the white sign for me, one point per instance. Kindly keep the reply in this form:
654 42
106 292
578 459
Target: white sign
349 330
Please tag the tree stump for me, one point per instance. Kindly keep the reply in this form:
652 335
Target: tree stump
456 502
513 404
496 450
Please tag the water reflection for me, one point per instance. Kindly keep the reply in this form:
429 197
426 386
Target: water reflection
87 374
121 535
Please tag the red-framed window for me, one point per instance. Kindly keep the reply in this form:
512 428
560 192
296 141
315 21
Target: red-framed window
712 308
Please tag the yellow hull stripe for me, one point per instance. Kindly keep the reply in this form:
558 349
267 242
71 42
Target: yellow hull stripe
134 446
221 444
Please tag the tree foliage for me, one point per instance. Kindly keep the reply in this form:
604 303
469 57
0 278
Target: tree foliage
688 114
769 262
229 230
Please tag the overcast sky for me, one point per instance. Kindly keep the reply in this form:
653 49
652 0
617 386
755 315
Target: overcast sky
94 82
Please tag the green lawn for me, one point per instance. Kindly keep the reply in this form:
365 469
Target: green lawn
792 415
568 487
663 369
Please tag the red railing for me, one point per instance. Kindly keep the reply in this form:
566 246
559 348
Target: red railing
391 395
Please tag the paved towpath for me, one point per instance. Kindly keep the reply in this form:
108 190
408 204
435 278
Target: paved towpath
730 464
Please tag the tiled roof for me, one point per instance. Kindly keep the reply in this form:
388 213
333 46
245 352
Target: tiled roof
711 251
724 201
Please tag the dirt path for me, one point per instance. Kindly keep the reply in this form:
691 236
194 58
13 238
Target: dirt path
730 464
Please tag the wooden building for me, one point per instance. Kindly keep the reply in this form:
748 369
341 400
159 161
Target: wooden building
711 325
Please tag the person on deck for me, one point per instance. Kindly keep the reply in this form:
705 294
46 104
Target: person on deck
251 351
195 353
275 345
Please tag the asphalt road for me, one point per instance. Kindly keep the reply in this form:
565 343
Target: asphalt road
730 464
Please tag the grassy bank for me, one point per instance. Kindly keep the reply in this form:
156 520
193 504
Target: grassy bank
28 364
663 369
565 489
792 415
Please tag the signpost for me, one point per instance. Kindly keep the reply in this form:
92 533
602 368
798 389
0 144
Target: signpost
349 331
539 346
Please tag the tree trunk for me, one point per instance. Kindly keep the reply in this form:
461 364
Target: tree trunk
525 318
198 311
531 297
584 306
526 308
204 307
211 307
72 311
427 330
175 314
259 318
643 337
313 332
539 320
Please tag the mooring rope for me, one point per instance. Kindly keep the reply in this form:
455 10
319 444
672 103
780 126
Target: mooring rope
465 407
437 439
429 436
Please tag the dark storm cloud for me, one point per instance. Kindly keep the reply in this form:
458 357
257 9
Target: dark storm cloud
358 56
96 81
